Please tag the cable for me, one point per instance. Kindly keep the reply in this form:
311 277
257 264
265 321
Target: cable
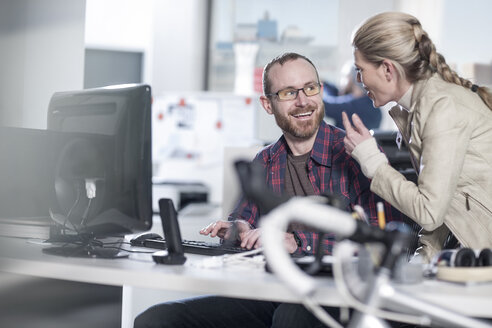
90 189
86 212
124 249
67 218
127 250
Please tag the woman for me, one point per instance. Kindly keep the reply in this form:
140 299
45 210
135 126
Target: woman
446 122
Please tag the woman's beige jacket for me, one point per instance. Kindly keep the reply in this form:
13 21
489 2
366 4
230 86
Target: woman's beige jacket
448 130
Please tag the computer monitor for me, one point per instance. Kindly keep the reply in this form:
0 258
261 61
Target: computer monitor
100 150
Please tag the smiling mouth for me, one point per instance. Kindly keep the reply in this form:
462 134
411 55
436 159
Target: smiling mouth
302 115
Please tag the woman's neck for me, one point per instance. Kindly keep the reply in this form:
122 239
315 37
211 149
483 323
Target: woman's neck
402 88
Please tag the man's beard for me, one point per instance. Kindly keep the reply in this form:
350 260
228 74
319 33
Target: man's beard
300 129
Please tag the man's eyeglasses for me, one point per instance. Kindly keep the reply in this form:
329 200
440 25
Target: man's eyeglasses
309 90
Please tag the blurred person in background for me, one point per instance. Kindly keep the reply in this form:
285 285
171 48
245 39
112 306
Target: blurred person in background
351 98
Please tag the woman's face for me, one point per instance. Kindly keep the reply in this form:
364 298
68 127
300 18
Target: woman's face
375 79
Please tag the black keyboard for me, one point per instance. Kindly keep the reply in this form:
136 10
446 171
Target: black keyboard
196 247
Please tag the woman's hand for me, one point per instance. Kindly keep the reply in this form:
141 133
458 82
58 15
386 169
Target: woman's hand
354 134
361 145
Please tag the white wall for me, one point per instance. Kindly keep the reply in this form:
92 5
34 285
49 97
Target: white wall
42 42
457 28
179 45
466 32
42 47
351 13
172 36
121 25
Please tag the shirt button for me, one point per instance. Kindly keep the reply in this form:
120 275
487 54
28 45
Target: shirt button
308 248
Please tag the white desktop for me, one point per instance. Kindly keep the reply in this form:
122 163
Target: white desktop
146 283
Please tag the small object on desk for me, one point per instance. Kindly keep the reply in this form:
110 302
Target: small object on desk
142 238
172 234
464 274
170 225
463 265
164 257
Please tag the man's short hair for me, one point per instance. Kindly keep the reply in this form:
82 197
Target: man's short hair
283 58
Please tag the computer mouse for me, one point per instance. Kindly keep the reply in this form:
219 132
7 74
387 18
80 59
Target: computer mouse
140 239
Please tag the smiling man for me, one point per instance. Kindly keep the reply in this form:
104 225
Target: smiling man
308 159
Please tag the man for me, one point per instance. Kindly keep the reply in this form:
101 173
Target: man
308 159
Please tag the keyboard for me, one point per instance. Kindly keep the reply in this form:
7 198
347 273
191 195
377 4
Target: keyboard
196 247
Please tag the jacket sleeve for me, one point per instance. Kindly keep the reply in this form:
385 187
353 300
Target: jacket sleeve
444 138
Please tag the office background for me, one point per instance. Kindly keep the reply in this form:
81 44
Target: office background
44 43
187 48
194 48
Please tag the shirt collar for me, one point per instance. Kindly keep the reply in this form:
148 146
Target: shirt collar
322 148
321 152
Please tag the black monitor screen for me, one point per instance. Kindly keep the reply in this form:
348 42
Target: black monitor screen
100 148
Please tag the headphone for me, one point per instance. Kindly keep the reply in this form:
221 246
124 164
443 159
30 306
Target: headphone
465 257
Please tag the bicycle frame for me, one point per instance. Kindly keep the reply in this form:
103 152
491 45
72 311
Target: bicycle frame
381 292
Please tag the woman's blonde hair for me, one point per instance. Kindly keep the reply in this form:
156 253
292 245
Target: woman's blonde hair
399 37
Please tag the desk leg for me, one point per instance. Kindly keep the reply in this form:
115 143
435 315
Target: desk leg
127 315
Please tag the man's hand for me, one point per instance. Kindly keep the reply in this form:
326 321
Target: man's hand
290 242
249 237
354 134
217 228
222 229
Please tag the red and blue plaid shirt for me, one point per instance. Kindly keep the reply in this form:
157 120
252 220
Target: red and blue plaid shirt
331 171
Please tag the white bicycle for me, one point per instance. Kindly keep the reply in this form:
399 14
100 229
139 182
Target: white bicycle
368 298
375 300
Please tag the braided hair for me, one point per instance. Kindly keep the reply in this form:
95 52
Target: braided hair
400 38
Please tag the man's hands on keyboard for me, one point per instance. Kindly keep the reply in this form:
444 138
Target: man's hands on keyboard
233 231
241 230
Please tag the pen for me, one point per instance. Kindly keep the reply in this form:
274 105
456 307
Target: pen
381 218
360 213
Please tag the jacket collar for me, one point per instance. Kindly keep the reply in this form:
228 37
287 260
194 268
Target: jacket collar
409 101
418 90
406 100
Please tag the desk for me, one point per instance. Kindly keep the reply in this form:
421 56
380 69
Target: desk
21 257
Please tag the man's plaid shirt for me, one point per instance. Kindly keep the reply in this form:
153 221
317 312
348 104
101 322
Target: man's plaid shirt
330 170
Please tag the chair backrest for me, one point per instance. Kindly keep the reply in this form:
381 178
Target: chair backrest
399 158
230 185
